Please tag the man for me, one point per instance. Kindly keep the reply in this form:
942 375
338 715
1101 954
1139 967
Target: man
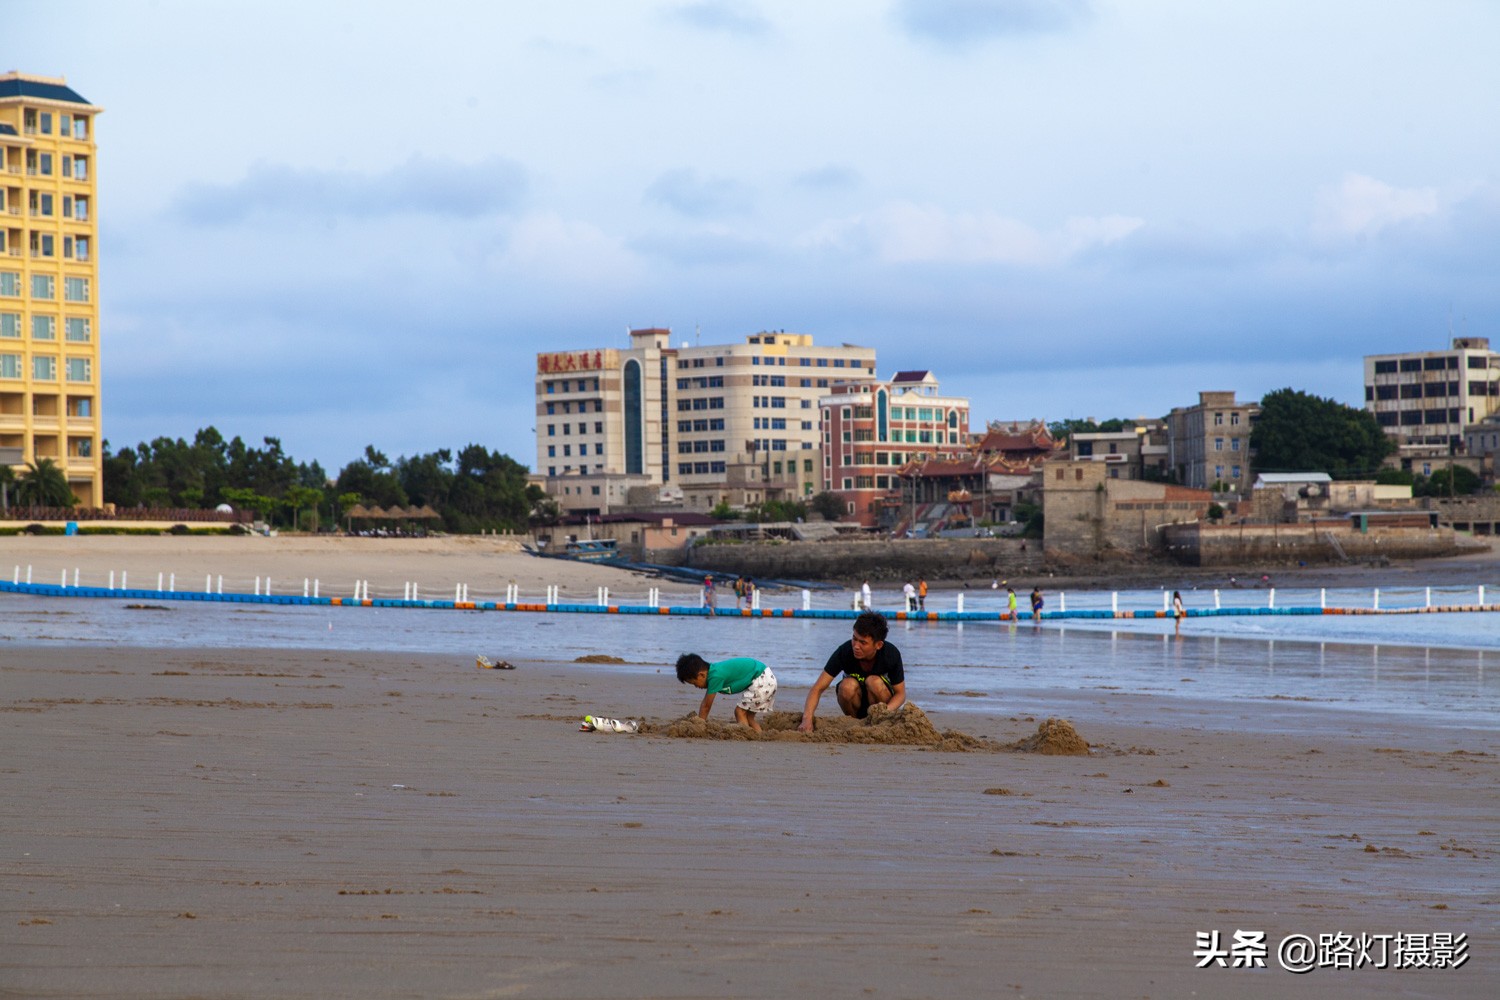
708 595
922 594
872 669
910 593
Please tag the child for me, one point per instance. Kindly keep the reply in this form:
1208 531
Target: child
731 676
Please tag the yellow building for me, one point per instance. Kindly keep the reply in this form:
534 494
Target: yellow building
49 288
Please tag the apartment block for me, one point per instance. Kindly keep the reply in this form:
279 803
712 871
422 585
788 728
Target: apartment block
734 423
49 287
1208 445
1425 400
871 429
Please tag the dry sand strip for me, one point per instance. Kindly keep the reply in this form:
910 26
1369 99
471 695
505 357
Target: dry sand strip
247 823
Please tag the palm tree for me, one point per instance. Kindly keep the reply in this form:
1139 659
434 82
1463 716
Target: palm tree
7 485
43 484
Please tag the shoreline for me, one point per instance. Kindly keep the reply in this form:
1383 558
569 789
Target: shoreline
489 563
268 823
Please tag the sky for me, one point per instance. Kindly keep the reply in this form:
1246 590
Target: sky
345 224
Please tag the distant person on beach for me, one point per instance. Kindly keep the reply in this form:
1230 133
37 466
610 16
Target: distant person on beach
910 593
872 669
739 591
1036 604
922 594
708 595
739 675
749 593
1178 611
1010 602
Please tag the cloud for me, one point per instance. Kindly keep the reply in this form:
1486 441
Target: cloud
905 233
704 248
724 16
961 23
418 186
831 178
685 192
1360 206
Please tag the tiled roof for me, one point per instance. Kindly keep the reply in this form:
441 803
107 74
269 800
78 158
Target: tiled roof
911 376
44 91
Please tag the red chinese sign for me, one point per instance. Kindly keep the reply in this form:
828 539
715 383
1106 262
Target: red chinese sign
569 361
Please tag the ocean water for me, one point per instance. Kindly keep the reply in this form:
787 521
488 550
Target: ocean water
1444 667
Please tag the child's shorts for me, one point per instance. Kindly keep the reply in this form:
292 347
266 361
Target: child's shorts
760 696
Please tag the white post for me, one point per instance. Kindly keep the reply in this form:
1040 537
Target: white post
1429 596
414 591
208 584
406 591
1166 602
111 578
466 593
28 574
1271 598
457 592
1114 602
158 582
75 581
1216 598
755 600
856 599
1377 599
1481 595
605 602
1323 598
806 600
306 587
315 585
123 574
268 586
64 578
16 577
172 583
257 586
1062 601
960 605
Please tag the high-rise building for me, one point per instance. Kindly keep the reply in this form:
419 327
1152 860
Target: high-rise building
734 423
1425 399
49 288
871 429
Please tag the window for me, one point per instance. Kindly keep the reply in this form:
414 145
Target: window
1236 472
78 370
10 324
1218 444
46 123
43 286
1388 367
80 168
81 208
551 430
75 289
10 283
80 128
44 328
1234 444
81 248
1234 420
76 329
1218 420
43 245
44 369
10 366
552 451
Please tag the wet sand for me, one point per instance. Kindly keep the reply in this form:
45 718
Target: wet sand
284 823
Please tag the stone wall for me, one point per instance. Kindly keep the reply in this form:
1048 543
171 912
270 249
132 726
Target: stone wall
853 560
1267 544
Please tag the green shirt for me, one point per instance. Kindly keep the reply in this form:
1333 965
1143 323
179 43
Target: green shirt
733 675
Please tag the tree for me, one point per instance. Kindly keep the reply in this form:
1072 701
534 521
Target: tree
1300 432
1456 481
827 505
43 484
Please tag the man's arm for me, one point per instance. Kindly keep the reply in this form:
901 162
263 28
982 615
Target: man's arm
808 707
708 704
898 696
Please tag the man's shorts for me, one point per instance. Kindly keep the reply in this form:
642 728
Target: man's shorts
760 696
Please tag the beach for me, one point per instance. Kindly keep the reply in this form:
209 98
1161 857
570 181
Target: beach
271 823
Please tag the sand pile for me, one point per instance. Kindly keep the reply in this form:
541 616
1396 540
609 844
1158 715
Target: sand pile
1055 736
908 727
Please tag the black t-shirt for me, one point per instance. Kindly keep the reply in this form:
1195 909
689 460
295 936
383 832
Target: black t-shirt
887 663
